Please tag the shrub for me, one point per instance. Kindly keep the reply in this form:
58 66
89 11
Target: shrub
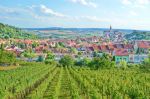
66 61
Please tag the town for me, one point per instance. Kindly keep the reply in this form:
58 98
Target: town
112 43
75 49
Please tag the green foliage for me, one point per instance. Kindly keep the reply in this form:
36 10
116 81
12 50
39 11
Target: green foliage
40 58
35 44
61 44
83 62
66 61
136 35
38 81
95 54
7 57
146 64
50 58
28 54
73 50
123 64
7 32
97 63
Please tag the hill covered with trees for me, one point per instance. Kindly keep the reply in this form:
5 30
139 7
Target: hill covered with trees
137 35
7 31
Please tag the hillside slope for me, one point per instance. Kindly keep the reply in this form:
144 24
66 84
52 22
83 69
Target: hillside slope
138 36
7 31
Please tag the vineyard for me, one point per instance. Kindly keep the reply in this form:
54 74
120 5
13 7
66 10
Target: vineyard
49 82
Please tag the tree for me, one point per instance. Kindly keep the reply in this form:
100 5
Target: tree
40 58
7 57
29 54
146 64
66 61
49 58
35 44
123 64
107 56
95 54
97 63
73 50
61 44
83 62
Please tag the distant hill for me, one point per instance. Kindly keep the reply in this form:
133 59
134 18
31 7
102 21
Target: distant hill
70 33
60 32
7 31
138 35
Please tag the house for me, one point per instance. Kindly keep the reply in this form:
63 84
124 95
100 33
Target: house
71 43
137 58
121 54
14 49
93 39
142 47
52 44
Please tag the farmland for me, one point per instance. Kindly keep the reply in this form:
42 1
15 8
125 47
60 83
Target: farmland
40 81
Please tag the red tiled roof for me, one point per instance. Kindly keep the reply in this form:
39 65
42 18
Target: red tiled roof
103 47
28 42
144 44
111 46
128 46
121 52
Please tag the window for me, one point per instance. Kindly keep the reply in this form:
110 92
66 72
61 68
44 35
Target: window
124 59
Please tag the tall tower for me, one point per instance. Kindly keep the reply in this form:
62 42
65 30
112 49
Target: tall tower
110 28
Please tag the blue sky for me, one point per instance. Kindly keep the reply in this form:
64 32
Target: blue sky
128 14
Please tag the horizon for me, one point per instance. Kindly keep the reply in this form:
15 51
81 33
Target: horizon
121 14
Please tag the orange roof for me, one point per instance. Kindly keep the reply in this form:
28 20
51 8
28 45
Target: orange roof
121 52
144 44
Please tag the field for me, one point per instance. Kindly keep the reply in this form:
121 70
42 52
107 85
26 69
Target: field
8 67
69 34
39 81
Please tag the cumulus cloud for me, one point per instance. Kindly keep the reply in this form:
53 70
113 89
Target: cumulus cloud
49 11
43 10
85 3
126 2
136 3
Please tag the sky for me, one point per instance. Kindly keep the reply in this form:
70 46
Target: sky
120 14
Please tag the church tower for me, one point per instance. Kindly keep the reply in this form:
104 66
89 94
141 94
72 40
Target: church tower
110 28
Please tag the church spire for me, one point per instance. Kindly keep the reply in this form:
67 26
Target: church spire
110 28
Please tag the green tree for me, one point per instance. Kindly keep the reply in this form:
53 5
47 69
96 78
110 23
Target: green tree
123 64
35 44
40 58
83 62
29 54
66 61
97 63
49 58
146 64
73 50
7 57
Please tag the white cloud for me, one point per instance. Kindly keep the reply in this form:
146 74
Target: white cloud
126 2
143 2
49 11
135 3
85 2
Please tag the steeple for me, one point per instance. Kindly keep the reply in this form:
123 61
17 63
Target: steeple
110 28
